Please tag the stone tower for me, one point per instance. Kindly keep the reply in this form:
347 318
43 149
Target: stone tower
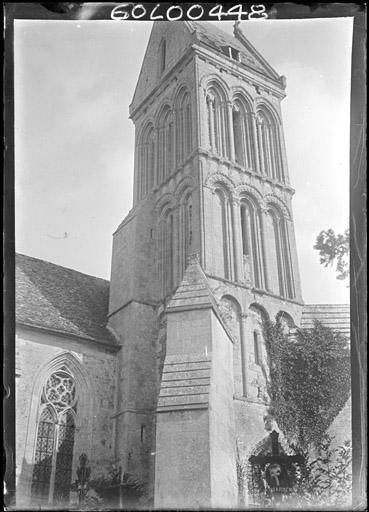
206 254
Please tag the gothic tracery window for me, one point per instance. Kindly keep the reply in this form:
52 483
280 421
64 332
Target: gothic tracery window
52 471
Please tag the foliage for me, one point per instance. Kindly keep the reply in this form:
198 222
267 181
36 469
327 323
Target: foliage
334 248
242 468
325 479
308 381
111 489
322 481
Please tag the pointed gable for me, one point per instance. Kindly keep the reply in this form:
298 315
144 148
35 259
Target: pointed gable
194 293
178 38
210 35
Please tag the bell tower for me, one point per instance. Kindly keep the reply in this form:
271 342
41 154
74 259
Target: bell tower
204 257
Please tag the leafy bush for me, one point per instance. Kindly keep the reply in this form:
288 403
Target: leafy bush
309 380
112 490
326 478
334 248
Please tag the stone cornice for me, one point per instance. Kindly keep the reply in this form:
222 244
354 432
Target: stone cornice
240 70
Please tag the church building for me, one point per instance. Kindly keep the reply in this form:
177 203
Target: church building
162 371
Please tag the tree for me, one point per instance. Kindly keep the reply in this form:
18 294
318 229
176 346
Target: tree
308 380
334 248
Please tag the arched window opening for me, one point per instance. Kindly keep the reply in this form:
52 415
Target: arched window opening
238 137
188 128
52 471
269 145
280 254
223 227
253 255
286 323
146 161
242 134
151 160
165 145
184 127
217 122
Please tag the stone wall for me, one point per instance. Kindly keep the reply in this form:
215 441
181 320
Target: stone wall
35 352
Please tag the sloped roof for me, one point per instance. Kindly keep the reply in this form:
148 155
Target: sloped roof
181 35
218 39
61 299
194 293
193 290
335 316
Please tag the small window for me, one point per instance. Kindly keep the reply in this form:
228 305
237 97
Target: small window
234 54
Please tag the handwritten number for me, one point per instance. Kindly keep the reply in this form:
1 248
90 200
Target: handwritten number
259 11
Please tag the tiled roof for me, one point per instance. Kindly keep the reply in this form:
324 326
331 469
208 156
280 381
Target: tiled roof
218 39
336 316
60 299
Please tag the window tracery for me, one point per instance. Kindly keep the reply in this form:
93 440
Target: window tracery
52 471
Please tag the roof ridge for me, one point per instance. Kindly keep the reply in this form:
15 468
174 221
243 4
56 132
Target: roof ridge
60 266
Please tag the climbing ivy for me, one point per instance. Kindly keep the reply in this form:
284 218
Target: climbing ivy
308 380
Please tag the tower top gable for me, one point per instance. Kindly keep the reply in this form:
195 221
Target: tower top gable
170 40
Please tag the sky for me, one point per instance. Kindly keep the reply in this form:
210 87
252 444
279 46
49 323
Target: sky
74 81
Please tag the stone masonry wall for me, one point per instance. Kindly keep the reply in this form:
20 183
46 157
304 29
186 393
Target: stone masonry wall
95 433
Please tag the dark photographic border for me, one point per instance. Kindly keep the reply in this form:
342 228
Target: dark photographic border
358 292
